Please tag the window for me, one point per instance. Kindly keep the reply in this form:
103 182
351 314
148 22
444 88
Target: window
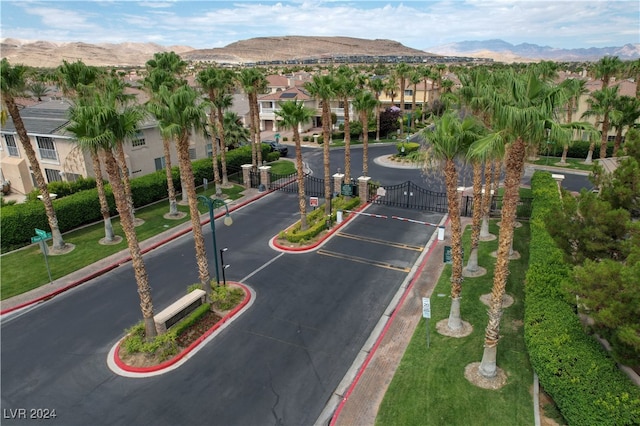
11 146
53 175
192 154
72 177
209 150
47 148
138 140
408 92
160 163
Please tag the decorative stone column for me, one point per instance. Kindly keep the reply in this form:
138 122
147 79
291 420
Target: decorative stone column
338 179
363 189
265 177
246 175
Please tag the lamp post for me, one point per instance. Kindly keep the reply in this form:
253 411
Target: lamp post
224 267
228 221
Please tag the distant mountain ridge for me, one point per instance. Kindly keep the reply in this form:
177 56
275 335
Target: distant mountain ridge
497 48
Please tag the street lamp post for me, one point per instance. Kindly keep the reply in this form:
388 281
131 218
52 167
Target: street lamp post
213 204
224 267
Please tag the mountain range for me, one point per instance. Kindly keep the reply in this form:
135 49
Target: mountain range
50 54
496 49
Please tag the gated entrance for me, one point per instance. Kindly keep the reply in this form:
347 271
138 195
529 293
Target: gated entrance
410 196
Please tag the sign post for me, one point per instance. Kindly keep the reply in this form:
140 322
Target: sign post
426 314
41 238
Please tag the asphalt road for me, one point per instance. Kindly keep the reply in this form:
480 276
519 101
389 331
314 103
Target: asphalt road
277 364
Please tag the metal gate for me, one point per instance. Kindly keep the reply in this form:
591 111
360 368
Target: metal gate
410 196
313 186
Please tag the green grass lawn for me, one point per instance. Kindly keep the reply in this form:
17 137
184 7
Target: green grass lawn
572 163
429 387
25 269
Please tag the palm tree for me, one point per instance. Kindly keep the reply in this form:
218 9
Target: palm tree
13 84
522 111
165 69
78 82
293 114
376 84
345 87
448 142
575 89
624 115
322 88
415 78
607 67
99 126
427 74
391 87
248 79
601 103
234 131
180 114
402 71
365 102
38 89
217 83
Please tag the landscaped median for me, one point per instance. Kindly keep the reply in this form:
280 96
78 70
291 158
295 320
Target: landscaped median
127 358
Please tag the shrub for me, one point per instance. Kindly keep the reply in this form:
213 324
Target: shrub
574 369
225 298
409 147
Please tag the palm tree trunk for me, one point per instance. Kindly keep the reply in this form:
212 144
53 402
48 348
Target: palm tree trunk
302 201
451 179
58 242
326 135
139 269
377 118
514 166
102 198
255 133
347 142
565 151
256 120
122 163
214 151
589 158
486 200
223 148
187 179
605 137
171 190
618 142
472 263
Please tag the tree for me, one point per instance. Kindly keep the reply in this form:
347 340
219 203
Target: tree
345 88
251 80
402 71
415 78
165 69
293 114
101 124
376 84
322 88
601 103
522 109
625 113
78 82
180 113
575 88
13 84
234 131
607 67
365 103
448 142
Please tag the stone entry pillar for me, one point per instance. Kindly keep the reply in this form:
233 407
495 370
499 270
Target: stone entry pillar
265 177
338 179
558 179
246 175
363 189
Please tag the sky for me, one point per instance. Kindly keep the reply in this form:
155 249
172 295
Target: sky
417 24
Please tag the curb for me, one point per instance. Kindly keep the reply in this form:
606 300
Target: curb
119 367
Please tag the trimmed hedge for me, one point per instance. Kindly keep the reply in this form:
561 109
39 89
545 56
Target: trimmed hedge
18 221
573 368
579 149
409 147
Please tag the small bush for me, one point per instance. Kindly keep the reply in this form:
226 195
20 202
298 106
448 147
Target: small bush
316 220
225 298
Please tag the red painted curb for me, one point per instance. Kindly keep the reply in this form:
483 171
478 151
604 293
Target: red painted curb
313 246
125 259
172 361
367 360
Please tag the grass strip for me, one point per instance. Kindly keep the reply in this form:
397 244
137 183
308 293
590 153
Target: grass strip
429 387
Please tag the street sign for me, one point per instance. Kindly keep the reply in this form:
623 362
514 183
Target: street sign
381 192
346 189
313 201
426 307
41 233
